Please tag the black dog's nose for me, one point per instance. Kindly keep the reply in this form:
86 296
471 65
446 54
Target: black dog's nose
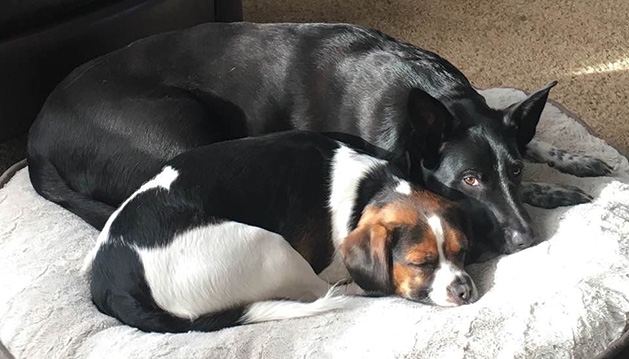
517 241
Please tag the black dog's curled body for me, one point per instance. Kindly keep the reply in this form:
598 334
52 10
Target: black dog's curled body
113 122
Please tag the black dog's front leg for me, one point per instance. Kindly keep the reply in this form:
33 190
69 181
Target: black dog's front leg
552 195
570 163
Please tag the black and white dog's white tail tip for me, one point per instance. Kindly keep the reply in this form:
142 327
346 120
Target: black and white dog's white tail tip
287 309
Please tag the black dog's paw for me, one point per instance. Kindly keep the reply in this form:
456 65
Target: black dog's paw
566 162
581 165
551 195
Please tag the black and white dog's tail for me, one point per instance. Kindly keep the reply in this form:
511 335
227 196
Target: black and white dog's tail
149 317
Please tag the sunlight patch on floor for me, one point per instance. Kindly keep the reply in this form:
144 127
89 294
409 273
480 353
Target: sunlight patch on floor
615 66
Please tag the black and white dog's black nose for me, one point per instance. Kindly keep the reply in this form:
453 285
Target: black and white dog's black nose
462 290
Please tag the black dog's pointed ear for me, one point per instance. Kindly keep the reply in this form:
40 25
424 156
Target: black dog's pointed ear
524 116
366 255
430 121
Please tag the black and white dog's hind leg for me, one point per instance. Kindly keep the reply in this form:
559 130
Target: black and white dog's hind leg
574 164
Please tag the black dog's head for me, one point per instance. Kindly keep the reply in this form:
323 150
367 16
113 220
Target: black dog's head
474 152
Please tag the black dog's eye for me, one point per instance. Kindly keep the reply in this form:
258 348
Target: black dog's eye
517 170
471 181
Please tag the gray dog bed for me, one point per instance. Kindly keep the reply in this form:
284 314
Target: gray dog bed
567 297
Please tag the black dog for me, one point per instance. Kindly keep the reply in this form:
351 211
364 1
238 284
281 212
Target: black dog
112 123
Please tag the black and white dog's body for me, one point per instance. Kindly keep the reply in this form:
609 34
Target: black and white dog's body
113 122
225 230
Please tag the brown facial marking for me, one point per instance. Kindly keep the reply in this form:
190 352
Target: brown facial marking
402 277
429 201
379 236
392 213
454 238
427 247
398 213
407 280
411 211
453 241
369 217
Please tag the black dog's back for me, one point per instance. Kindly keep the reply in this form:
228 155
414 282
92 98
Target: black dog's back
112 123
116 120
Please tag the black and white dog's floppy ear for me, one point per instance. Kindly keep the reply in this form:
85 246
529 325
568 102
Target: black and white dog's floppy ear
367 257
430 121
525 115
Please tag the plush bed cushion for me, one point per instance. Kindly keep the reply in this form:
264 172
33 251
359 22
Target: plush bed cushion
567 297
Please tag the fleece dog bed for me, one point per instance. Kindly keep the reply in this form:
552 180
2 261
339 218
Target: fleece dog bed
567 297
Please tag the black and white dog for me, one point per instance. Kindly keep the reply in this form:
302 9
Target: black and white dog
112 123
224 230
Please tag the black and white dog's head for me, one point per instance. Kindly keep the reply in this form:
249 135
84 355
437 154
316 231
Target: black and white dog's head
471 151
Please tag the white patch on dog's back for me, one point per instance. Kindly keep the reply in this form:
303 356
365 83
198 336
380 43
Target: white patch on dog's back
217 266
403 187
348 169
164 179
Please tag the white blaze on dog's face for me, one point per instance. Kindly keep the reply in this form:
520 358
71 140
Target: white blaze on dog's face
397 249
451 286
